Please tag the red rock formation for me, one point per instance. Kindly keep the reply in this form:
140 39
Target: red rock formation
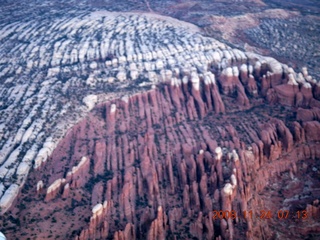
127 234
286 94
162 161
54 189
158 226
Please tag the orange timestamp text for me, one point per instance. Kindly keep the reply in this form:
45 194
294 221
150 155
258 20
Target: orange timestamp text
263 214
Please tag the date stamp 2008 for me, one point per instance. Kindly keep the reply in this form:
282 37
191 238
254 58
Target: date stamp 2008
263 214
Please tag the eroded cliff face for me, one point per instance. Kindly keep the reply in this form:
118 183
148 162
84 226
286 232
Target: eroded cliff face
155 165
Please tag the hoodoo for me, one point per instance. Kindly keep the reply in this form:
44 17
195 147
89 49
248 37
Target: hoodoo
139 126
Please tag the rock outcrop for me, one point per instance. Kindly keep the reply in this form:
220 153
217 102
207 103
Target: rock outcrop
159 172
203 136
